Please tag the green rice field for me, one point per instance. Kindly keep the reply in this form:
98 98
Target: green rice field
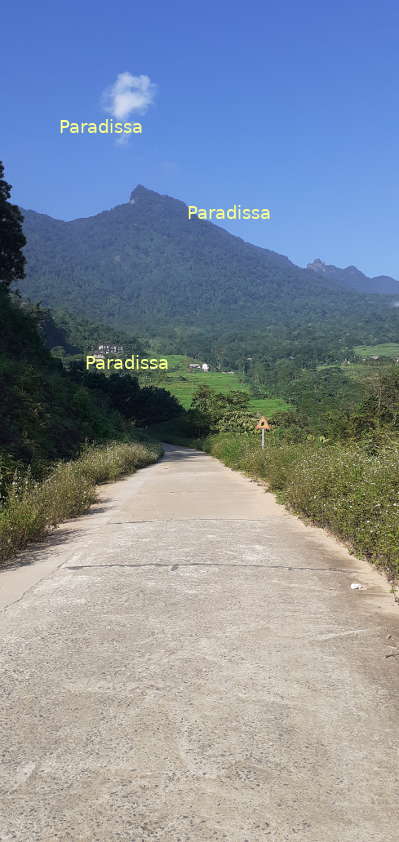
388 349
182 383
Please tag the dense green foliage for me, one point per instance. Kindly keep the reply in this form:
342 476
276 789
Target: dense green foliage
212 410
322 399
139 404
330 404
75 334
12 239
46 412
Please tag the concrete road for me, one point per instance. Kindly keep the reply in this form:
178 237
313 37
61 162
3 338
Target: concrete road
188 663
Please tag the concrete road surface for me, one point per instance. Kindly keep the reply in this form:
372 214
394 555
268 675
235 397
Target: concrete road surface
188 663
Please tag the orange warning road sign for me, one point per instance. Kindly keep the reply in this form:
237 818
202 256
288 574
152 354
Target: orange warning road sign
263 424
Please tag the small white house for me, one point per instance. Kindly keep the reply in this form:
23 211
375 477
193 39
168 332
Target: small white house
109 348
205 367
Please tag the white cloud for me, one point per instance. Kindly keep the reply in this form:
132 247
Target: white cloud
122 140
129 94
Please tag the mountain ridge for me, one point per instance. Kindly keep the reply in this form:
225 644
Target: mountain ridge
144 264
353 278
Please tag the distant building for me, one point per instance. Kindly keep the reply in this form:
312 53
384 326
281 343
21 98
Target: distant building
198 367
109 348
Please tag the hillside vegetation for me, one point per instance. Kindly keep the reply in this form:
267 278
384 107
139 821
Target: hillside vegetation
47 413
44 414
144 265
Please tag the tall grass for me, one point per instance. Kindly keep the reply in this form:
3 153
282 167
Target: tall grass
32 509
341 487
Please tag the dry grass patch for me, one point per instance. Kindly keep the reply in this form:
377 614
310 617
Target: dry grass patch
32 508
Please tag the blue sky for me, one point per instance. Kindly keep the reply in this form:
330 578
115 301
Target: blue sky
291 106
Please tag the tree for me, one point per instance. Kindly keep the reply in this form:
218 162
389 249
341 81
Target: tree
213 406
12 239
381 404
237 421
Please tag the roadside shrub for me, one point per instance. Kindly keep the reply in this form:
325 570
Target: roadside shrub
355 495
34 508
344 488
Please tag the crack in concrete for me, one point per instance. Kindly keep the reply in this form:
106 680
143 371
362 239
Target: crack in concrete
214 564
190 520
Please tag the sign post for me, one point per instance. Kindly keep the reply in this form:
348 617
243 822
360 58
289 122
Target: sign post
263 425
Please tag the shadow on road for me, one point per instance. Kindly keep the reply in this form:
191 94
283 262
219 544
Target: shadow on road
181 453
40 550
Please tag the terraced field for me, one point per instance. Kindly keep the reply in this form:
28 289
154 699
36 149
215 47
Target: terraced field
182 383
388 349
365 366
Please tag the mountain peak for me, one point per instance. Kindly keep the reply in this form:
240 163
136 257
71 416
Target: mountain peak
317 265
353 278
140 190
157 204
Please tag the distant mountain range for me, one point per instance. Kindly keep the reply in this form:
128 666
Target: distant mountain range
144 265
355 279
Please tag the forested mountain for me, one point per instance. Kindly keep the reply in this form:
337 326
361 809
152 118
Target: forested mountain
353 278
145 266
